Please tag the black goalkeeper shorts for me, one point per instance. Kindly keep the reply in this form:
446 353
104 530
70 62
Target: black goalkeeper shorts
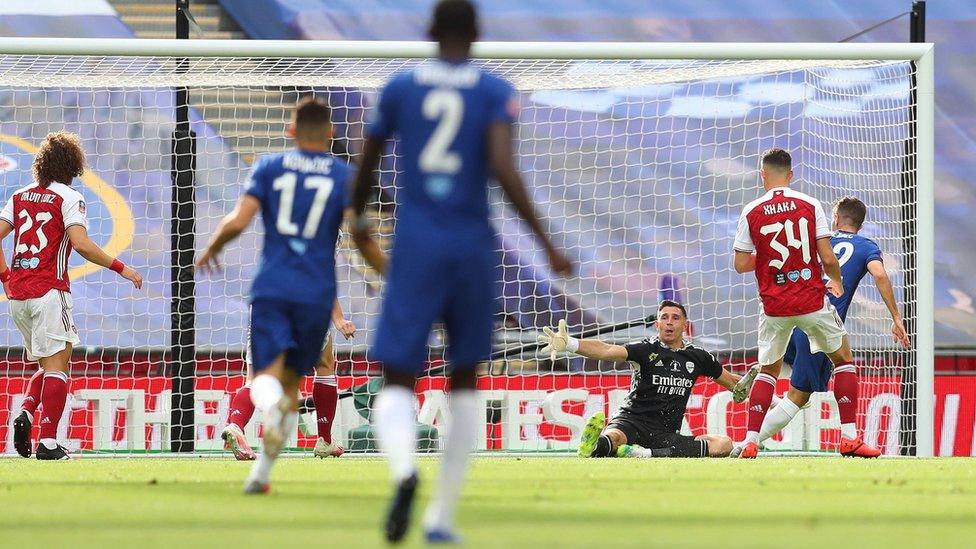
637 432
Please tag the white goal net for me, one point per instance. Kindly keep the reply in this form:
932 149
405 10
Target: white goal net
638 168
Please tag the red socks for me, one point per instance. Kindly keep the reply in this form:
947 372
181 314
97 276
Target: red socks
845 391
760 398
325 394
33 397
241 408
53 397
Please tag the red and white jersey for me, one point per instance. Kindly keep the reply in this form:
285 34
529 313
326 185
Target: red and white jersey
40 218
782 227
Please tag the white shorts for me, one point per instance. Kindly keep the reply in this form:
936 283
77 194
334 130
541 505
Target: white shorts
824 328
46 324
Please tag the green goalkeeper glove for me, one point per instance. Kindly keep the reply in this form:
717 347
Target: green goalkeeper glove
558 341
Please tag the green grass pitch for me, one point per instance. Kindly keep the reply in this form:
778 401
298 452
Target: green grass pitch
509 502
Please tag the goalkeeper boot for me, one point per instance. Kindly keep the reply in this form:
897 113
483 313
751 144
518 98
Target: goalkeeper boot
856 448
628 450
22 429
236 442
58 453
740 391
398 516
749 451
591 434
325 449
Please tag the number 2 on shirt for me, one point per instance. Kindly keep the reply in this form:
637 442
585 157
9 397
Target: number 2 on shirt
799 241
447 107
286 184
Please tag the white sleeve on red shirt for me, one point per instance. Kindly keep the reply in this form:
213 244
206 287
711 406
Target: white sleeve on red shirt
823 227
7 213
73 210
743 238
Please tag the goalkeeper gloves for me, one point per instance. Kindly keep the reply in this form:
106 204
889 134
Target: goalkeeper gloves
558 341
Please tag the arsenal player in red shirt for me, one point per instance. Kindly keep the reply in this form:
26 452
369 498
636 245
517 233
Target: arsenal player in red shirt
784 237
48 221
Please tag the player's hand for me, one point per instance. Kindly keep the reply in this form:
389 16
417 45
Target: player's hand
207 262
560 264
835 288
740 391
346 328
133 276
899 333
555 341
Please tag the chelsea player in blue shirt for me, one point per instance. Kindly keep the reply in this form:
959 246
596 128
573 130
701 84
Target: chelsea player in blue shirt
301 195
858 256
454 124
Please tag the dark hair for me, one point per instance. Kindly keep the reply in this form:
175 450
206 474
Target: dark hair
668 303
777 158
852 211
455 19
60 158
311 116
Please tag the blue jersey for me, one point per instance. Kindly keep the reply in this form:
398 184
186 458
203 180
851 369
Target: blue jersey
854 252
441 112
811 373
303 195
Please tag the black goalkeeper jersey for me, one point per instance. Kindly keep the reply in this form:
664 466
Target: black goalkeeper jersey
662 382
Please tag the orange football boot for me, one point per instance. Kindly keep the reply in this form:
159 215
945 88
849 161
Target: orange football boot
857 448
749 451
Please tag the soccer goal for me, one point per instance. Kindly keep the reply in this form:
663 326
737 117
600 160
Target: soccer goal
639 158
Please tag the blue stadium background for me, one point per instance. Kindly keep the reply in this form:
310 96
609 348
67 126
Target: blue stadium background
950 26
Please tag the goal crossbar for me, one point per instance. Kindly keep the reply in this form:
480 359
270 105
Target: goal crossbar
492 50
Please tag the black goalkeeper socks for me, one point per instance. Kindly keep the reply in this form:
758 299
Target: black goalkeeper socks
603 447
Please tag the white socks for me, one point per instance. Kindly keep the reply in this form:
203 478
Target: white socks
261 470
266 391
848 430
777 418
396 429
462 431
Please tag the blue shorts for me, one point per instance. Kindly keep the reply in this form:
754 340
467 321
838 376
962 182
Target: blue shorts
298 330
811 373
429 284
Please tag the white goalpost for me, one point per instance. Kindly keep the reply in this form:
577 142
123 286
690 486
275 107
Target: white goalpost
639 158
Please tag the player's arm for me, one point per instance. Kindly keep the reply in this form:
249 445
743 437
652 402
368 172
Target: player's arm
745 262
346 327
5 229
559 340
831 266
362 237
230 227
727 379
881 280
745 250
86 248
503 166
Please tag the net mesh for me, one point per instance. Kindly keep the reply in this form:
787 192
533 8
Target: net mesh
639 169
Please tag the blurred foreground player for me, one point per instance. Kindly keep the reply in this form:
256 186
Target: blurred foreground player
325 396
665 371
454 124
857 256
301 195
784 237
48 220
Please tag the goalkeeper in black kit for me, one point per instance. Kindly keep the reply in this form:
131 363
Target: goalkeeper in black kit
664 371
